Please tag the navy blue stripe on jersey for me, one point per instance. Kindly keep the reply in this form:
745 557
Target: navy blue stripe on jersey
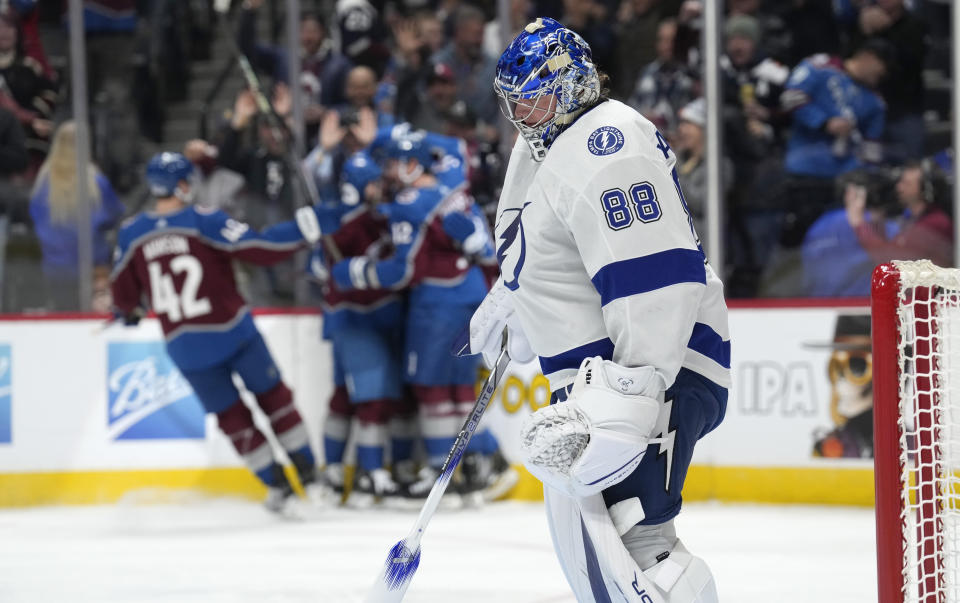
709 343
649 273
571 359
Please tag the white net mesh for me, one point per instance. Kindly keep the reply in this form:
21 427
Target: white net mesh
929 426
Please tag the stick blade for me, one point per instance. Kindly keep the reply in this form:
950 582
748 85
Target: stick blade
396 575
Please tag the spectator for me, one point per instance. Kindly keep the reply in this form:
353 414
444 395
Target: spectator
472 69
438 98
493 39
13 161
340 137
752 82
111 43
636 34
925 231
270 192
24 90
216 186
323 70
903 90
771 28
810 29
362 34
834 262
414 43
54 209
837 123
691 162
754 129
588 18
260 159
431 31
665 85
29 20
361 91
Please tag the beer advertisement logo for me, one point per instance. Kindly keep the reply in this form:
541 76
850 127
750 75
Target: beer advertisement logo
6 394
147 397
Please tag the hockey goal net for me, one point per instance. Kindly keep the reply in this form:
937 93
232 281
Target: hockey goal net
916 369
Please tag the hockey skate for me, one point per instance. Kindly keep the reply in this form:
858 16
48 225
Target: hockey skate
475 472
501 479
326 490
281 499
371 488
413 495
405 472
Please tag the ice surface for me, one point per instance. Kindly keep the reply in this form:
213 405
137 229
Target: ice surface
220 551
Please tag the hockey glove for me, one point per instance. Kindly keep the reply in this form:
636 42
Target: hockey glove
131 318
599 435
355 273
469 231
308 223
487 324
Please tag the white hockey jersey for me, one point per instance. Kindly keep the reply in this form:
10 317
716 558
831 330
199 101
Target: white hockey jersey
598 250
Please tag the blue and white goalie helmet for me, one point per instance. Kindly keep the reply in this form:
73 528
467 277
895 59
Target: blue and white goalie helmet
164 173
359 170
546 59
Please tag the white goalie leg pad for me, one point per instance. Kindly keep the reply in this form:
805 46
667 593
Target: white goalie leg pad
677 576
683 578
599 435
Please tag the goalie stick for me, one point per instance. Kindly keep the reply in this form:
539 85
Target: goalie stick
404 558
278 127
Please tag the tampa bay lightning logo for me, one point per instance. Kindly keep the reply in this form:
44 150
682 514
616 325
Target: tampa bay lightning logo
605 140
512 247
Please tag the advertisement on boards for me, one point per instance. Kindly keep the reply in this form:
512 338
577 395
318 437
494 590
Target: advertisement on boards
147 397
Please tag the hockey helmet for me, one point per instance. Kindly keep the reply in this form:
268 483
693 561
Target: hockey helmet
545 59
410 145
359 170
165 171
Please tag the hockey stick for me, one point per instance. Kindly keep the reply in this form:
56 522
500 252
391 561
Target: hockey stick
404 558
279 130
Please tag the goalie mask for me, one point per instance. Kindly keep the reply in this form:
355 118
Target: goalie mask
545 59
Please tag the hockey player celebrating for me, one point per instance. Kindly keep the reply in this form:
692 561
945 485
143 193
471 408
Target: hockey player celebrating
179 257
433 236
603 275
365 327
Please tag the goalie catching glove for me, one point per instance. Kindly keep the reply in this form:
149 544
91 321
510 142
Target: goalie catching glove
599 435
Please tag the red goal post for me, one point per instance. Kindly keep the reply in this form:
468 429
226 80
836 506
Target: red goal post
916 380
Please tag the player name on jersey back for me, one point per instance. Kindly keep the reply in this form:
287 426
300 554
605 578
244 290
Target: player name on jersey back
166 245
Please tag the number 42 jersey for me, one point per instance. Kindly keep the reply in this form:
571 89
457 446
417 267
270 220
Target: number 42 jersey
599 252
182 265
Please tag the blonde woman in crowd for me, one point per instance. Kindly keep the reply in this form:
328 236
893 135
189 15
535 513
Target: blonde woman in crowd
55 207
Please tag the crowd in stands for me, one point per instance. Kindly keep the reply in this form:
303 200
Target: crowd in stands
831 162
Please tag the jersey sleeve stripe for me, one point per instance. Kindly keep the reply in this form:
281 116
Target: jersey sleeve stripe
649 273
708 342
571 359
